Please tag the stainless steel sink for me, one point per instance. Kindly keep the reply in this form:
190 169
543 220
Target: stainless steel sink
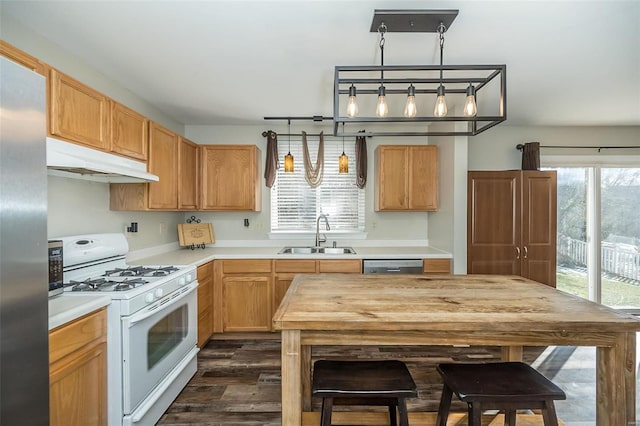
317 250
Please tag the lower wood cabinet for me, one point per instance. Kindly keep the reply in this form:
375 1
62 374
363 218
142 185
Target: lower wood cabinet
205 303
247 292
286 270
242 295
78 372
436 266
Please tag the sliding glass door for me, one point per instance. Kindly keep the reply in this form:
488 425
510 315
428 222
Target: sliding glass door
620 241
599 233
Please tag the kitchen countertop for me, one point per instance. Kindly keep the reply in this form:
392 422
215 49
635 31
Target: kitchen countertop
200 256
65 308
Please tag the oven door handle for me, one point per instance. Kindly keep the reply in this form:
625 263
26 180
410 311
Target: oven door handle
169 299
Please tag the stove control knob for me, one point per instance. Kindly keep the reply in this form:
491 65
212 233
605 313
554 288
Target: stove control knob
158 293
182 281
148 297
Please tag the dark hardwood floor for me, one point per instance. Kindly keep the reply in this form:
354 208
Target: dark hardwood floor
238 381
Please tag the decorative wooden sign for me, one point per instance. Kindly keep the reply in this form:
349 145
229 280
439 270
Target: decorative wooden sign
195 234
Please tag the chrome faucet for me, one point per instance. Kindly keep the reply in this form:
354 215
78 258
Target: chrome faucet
324 238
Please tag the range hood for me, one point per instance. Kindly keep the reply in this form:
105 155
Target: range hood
74 161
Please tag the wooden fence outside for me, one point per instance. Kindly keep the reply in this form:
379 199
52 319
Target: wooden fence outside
618 260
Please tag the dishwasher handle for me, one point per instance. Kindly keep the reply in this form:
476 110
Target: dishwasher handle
392 266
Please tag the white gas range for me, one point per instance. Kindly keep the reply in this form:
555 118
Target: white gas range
152 324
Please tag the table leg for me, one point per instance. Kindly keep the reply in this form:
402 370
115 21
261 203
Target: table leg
630 378
305 373
291 378
615 385
512 353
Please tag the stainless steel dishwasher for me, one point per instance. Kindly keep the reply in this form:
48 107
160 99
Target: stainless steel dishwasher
392 266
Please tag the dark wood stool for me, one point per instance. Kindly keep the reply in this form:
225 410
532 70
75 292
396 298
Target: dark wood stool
507 386
385 383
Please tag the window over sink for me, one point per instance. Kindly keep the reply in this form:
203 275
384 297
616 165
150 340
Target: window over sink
295 206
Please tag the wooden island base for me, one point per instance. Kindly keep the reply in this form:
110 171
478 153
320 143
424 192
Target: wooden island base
415 419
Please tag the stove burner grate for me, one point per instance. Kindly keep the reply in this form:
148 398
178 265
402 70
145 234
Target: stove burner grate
140 271
103 284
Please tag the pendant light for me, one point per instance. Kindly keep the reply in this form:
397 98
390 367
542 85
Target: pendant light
288 159
383 87
343 160
410 109
352 105
470 106
440 109
382 109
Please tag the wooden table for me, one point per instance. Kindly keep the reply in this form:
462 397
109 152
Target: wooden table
507 311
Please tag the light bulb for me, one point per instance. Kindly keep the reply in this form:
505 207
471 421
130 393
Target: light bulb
470 107
410 109
343 163
440 109
381 108
352 105
288 163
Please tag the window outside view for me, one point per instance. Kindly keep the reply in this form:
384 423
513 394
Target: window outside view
619 243
295 206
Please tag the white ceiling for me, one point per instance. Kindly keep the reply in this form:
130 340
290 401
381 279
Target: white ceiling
234 62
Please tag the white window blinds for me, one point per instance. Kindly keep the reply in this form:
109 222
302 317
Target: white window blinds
295 206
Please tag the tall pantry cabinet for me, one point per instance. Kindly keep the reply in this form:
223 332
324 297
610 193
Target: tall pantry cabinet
511 224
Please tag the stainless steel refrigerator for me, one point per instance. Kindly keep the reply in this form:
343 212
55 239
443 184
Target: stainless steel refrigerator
24 339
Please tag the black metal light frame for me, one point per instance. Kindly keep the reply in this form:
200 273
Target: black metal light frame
417 21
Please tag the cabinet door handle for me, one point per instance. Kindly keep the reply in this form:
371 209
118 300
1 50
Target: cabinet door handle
517 252
526 252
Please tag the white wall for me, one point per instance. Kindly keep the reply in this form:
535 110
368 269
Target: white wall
448 226
495 149
82 207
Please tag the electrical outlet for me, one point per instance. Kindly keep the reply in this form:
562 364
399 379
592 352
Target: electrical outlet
163 228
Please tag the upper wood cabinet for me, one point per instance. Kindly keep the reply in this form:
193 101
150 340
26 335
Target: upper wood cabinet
511 224
230 177
163 162
16 55
188 167
78 113
129 132
406 178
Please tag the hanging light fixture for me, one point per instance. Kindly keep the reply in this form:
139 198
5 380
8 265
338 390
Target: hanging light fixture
343 160
382 109
410 109
288 159
440 110
470 106
352 104
383 85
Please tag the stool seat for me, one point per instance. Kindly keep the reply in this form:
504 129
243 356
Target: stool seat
386 382
507 386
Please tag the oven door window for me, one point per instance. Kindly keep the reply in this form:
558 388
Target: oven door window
166 335
154 341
